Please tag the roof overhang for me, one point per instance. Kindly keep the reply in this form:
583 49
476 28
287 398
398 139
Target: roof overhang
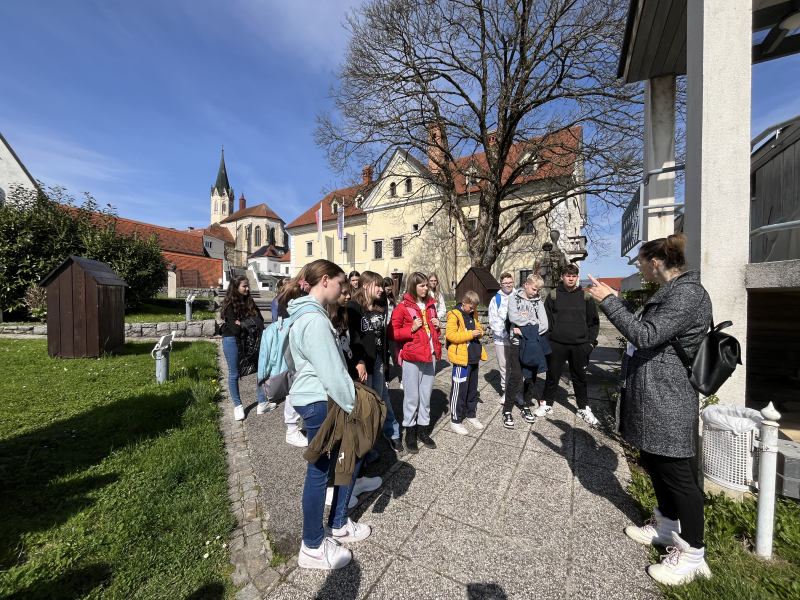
655 37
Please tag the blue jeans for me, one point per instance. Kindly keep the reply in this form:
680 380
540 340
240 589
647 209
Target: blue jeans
377 381
231 352
317 482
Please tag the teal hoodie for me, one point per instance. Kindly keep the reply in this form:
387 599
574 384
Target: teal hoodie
312 340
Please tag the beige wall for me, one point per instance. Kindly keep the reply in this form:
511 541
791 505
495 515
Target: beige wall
216 202
238 228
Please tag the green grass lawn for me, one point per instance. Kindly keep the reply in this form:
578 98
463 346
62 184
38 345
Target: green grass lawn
112 486
150 313
730 541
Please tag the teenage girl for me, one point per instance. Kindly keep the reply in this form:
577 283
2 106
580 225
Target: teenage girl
416 326
294 436
237 306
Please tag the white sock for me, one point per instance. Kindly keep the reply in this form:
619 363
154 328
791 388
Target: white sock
291 429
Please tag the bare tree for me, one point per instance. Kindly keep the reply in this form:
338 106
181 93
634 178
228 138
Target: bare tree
530 83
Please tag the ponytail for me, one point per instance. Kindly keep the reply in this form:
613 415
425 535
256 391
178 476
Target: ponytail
309 276
670 250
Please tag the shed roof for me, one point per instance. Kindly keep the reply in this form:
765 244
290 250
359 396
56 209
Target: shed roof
484 276
99 271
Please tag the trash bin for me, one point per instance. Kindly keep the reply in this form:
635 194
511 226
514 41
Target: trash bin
728 449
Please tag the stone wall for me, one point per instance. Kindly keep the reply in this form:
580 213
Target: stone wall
206 328
184 292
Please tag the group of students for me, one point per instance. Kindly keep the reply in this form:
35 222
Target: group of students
357 328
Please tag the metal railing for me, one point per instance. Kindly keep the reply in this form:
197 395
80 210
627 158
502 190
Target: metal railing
633 218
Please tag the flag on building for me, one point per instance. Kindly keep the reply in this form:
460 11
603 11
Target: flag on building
318 216
340 222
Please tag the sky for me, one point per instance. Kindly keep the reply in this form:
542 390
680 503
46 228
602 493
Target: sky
133 101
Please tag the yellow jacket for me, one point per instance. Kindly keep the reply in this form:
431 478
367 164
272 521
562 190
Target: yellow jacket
459 337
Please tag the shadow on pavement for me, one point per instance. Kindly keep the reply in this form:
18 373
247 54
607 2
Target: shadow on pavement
210 591
486 591
74 584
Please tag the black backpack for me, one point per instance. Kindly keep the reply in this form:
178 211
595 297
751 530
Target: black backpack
714 361
249 343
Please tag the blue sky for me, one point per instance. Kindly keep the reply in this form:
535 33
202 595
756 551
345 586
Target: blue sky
131 101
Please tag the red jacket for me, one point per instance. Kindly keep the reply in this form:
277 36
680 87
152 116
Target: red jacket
414 347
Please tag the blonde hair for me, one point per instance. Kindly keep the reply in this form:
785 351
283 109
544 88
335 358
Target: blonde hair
434 293
535 279
312 273
471 298
413 281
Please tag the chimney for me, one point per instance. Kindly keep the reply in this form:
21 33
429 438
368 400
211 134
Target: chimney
435 152
190 229
366 174
242 202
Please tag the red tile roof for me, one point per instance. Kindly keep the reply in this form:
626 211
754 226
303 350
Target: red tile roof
286 257
268 251
217 231
261 210
557 159
169 240
349 194
205 271
612 282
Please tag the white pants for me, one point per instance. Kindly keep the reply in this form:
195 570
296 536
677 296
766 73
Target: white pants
290 415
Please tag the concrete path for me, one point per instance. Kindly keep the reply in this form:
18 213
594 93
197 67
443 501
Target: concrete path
536 512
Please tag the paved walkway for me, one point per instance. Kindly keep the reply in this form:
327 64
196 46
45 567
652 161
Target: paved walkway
536 512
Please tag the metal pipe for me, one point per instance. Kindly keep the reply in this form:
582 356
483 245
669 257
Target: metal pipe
189 300
161 355
765 522
775 227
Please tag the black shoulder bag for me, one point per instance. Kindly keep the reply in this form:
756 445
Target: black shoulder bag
714 361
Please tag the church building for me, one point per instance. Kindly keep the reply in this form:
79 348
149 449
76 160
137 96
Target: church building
250 228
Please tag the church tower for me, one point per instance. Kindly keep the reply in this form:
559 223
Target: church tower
221 194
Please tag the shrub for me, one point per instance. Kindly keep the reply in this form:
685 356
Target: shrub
36 301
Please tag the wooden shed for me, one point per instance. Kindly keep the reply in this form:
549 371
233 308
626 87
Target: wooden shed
480 281
85 309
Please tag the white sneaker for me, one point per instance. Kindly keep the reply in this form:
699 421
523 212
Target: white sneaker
295 437
656 530
329 556
543 409
238 413
587 415
329 499
475 423
265 407
681 565
401 385
459 428
351 532
366 484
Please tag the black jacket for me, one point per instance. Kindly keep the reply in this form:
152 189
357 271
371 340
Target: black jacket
230 328
363 340
572 317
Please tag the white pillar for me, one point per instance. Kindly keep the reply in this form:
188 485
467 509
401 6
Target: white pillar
172 284
659 152
718 161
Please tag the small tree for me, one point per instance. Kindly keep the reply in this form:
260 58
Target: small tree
446 79
40 228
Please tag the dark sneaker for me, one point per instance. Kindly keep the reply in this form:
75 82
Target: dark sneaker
508 421
411 440
528 415
397 446
425 438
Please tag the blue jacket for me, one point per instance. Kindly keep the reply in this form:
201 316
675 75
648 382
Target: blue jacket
532 351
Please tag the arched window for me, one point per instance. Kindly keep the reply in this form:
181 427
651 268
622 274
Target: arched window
408 185
258 237
216 208
224 207
271 236
393 189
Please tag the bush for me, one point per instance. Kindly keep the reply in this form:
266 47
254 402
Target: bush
39 229
36 301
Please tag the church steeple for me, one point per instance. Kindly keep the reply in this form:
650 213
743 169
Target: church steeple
221 194
222 184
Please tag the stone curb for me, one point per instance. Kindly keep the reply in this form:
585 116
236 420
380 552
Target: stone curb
195 329
251 552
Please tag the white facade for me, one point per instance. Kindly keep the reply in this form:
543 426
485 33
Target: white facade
12 171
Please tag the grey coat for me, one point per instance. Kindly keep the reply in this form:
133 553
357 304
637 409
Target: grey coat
524 311
658 406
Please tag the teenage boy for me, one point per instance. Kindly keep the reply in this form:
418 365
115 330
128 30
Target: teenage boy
525 308
574 325
498 311
465 351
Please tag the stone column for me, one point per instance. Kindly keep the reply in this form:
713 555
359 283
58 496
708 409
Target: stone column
172 284
659 152
717 212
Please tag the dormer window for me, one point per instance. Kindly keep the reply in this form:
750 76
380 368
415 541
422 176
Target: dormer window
359 201
409 185
392 189
472 178
530 162
335 208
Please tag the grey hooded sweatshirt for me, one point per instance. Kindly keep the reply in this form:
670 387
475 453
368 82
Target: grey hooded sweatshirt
526 311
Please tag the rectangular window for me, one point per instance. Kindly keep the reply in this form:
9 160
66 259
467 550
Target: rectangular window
377 249
208 244
287 270
397 247
365 242
309 248
529 228
415 227
473 224
523 276
344 244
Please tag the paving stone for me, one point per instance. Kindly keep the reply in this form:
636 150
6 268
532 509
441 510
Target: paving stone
403 576
248 592
545 465
266 579
286 591
252 493
538 529
484 472
437 462
502 576
453 442
476 507
252 528
391 525
237 544
240 574
516 437
350 582
419 488
532 487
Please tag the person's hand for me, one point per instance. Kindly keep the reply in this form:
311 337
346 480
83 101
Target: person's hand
476 333
416 324
362 372
517 331
600 291
237 322
435 322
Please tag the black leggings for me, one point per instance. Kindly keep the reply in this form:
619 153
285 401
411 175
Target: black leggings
677 494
